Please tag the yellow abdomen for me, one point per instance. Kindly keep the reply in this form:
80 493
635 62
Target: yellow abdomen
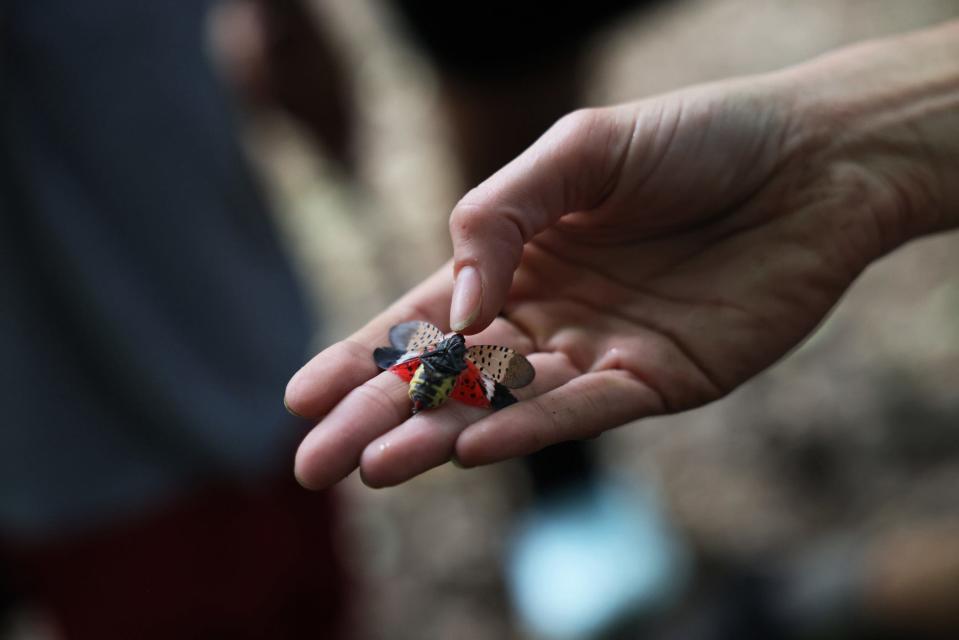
429 390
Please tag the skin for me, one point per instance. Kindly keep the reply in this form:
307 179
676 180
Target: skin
650 257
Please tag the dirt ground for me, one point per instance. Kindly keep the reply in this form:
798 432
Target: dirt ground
853 437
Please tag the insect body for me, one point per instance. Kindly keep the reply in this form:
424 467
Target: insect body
439 367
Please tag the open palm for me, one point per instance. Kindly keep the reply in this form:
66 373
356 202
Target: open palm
647 258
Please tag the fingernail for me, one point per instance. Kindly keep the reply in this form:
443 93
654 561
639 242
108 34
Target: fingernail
289 410
467 297
290 390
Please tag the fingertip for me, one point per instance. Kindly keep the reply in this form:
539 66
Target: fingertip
372 467
328 377
472 447
474 314
304 482
313 466
369 482
487 246
289 409
467 298
293 396
458 463
304 469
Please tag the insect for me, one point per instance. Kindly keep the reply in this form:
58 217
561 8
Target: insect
438 367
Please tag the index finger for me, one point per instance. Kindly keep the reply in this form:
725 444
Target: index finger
323 381
573 167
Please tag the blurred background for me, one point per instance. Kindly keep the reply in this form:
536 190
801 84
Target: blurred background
820 500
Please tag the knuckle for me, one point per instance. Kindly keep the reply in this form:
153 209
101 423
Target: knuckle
468 215
578 121
583 130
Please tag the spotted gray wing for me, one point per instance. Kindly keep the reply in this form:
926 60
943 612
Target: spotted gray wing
502 365
416 336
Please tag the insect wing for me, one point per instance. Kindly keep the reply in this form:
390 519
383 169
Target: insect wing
501 397
386 357
406 369
473 388
502 365
415 336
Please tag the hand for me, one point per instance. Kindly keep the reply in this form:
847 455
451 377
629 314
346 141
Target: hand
647 258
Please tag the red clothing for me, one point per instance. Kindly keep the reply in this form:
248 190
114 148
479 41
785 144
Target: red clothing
227 563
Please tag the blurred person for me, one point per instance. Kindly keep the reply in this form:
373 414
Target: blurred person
651 257
149 320
508 70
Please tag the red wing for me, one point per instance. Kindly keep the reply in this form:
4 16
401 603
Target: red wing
406 369
470 388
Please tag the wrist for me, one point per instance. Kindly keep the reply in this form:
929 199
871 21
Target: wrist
883 118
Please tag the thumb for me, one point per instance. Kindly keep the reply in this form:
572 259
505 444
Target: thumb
572 167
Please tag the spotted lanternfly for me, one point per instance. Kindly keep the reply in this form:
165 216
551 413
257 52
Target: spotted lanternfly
438 367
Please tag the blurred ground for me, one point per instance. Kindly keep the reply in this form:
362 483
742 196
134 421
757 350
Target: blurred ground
855 436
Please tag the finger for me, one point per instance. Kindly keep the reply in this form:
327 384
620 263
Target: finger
324 380
419 444
427 439
582 408
332 449
572 167
596 340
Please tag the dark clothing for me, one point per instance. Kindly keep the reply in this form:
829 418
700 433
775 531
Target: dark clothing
500 40
148 320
